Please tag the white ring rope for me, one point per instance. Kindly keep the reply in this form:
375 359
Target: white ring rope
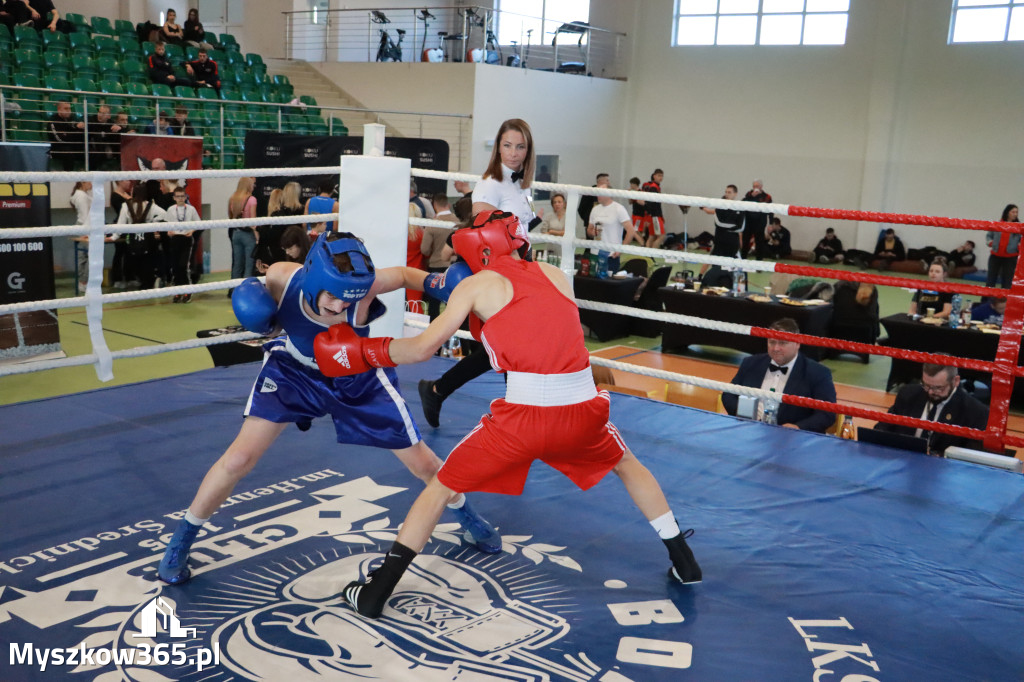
115 176
144 294
141 228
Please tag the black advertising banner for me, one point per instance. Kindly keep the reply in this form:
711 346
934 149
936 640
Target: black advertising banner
281 150
26 265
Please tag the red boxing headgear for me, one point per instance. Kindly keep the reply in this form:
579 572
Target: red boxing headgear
493 235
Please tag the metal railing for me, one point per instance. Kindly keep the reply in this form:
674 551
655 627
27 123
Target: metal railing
471 33
25 114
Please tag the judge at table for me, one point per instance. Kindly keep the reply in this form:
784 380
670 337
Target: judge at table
785 370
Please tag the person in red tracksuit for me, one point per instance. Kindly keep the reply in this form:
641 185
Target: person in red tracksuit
551 411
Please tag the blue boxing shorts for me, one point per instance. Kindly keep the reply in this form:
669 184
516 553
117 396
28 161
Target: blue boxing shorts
367 408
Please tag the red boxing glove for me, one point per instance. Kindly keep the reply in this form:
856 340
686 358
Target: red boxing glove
340 352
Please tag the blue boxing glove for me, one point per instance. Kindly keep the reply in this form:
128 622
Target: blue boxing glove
440 285
254 307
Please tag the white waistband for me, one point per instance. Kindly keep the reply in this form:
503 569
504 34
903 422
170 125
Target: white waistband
297 354
550 390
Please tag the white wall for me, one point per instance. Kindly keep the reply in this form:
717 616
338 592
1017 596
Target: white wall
895 120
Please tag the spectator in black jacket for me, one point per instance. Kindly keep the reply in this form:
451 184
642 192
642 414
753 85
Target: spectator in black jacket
104 138
204 71
161 71
66 136
777 243
587 201
888 249
195 34
180 125
829 248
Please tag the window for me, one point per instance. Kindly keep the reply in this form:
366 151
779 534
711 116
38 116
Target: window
516 17
987 21
762 22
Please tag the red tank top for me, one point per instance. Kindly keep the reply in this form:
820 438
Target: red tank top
539 330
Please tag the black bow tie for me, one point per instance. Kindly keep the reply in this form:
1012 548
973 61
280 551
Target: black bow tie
772 367
517 175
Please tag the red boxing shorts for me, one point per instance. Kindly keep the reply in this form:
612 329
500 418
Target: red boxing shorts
495 457
655 225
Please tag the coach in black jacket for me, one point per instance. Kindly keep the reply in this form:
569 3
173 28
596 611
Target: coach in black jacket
783 366
938 398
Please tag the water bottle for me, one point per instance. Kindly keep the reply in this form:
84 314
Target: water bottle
954 315
847 432
602 264
455 347
771 410
737 282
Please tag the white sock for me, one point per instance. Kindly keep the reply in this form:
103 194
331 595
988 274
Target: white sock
195 520
666 526
458 502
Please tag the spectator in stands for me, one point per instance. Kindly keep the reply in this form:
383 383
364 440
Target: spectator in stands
142 249
160 125
940 398
1005 247
104 138
181 241
777 240
785 371
587 201
554 222
194 33
171 32
295 243
961 260
124 124
322 203
81 201
161 71
829 248
40 14
423 210
940 301
204 71
433 246
990 312
8 10
889 248
180 125
120 268
609 222
66 136
282 202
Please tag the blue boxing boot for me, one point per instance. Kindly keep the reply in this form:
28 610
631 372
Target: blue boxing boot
478 531
174 568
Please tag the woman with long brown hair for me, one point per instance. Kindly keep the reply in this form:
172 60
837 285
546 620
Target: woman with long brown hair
242 204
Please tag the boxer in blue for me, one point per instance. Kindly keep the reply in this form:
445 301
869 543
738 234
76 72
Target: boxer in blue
337 284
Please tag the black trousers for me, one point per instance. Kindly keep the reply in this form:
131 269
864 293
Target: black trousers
468 368
1000 269
181 258
757 232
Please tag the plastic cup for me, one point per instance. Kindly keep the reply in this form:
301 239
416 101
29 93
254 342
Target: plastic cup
930 312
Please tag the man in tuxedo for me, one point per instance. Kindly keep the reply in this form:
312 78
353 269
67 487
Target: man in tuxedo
938 398
783 369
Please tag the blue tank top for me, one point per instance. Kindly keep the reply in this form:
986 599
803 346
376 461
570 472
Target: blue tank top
302 328
319 204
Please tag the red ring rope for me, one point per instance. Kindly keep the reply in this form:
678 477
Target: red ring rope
888 280
905 219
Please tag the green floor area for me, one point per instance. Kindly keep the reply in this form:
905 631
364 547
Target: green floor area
160 321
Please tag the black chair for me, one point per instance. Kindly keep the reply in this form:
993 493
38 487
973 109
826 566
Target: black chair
636 267
650 299
852 321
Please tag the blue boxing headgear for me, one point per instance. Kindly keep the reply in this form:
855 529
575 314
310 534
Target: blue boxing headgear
321 274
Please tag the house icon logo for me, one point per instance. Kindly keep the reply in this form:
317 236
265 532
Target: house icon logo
160 609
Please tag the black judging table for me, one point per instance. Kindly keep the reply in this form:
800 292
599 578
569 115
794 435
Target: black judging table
813 320
224 354
905 332
606 326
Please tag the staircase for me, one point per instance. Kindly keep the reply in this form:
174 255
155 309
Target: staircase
308 81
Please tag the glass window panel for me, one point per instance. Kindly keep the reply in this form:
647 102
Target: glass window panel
1016 24
563 12
779 6
981 3
979 25
695 31
825 29
698 6
830 5
781 29
737 30
737 7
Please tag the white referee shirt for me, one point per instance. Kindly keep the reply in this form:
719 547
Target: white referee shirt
507 196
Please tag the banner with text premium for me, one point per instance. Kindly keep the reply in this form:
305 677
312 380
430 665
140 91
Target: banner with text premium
281 150
26 265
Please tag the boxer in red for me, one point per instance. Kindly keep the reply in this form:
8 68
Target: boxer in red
551 411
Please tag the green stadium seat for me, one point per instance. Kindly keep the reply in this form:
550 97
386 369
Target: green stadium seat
162 90
84 84
81 43
105 46
134 72
137 89
28 60
77 20
252 59
58 82
234 59
83 66
191 53
56 41
230 93
246 80
140 114
311 106
111 87
57 63
102 25
123 26
227 40
148 48
219 57
110 68
128 43
6 43
175 53
185 91
26 37
337 123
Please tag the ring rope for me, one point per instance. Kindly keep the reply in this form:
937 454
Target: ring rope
125 296
141 228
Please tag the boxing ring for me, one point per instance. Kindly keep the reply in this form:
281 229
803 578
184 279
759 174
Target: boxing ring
823 559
